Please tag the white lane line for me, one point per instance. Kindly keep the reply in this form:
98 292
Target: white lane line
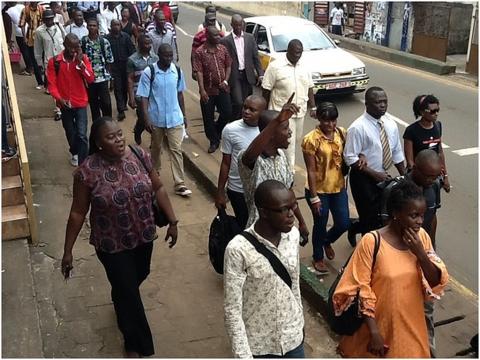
465 152
183 31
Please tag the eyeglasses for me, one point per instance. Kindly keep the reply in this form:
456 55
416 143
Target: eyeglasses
284 210
432 111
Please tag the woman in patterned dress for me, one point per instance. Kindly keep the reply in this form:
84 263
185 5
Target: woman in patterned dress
119 189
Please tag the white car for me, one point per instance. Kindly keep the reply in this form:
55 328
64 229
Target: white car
334 71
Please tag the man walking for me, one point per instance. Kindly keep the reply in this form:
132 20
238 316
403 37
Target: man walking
137 62
285 76
99 51
67 74
337 21
236 137
162 35
246 68
263 309
375 135
161 89
122 48
79 26
212 64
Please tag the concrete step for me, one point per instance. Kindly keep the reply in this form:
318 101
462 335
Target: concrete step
15 222
12 191
11 167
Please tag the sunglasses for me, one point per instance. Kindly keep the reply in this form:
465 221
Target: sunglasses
434 111
285 209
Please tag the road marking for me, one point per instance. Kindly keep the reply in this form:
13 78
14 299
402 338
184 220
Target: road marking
465 152
183 31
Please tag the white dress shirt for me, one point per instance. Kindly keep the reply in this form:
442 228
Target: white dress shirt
80 31
363 137
240 46
262 314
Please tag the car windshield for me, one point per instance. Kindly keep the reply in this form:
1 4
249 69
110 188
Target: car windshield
309 34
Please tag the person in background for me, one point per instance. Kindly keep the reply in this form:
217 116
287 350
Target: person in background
212 9
246 68
128 26
161 88
391 295
337 20
161 35
122 48
30 20
108 12
14 10
135 13
212 64
236 137
8 152
326 189
99 51
117 189
79 26
61 16
264 315
425 133
136 63
90 9
283 77
68 74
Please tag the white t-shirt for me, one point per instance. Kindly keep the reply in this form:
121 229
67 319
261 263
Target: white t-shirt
336 15
14 12
236 137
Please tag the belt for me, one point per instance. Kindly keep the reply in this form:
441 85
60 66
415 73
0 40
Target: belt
241 71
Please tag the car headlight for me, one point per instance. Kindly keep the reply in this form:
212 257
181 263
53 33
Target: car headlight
358 71
316 76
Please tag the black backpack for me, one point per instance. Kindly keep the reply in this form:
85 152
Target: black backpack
223 229
349 321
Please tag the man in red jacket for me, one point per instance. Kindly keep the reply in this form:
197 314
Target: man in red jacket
68 74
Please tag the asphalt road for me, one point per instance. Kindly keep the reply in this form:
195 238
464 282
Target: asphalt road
457 233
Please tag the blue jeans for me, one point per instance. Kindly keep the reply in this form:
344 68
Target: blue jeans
75 123
338 204
297 353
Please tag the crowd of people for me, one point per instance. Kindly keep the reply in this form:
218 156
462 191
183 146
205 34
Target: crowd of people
79 53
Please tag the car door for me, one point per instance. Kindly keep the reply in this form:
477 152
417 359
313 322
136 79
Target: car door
259 32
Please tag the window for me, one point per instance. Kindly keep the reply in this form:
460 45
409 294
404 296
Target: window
310 35
249 28
262 39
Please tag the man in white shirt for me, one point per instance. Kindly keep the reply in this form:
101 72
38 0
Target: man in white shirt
15 11
337 21
286 76
106 16
211 9
78 27
375 135
263 311
236 137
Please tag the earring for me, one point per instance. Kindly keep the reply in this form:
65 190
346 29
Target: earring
100 148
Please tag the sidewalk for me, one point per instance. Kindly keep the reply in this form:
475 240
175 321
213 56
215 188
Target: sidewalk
44 316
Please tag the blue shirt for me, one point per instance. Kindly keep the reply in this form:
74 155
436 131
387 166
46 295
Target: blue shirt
163 106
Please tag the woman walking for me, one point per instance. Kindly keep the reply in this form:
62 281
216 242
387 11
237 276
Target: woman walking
119 189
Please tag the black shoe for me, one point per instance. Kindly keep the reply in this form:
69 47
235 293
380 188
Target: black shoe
352 232
121 116
212 148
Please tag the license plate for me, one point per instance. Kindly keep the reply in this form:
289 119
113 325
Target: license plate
338 85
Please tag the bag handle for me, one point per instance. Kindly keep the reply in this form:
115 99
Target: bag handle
277 265
139 157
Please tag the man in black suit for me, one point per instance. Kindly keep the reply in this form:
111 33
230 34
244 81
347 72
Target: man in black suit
246 69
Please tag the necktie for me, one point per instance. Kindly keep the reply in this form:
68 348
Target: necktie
386 152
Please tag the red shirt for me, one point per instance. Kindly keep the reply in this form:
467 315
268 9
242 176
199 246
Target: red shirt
213 65
70 82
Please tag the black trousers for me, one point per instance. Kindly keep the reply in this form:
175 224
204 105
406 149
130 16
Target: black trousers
126 271
36 68
240 89
120 85
213 129
23 49
99 99
140 124
337 29
367 196
239 207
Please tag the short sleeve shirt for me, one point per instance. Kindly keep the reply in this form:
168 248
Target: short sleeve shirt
136 64
213 66
337 16
236 137
283 78
121 214
265 168
99 60
422 138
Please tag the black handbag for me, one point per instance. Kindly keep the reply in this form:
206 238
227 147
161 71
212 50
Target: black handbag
349 321
345 167
158 214
224 227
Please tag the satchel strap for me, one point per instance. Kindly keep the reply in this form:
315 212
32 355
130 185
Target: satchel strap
277 265
136 152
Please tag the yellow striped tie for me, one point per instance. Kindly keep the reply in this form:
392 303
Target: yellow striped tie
386 152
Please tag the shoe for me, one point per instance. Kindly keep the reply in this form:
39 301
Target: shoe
329 252
25 73
320 267
352 232
58 115
212 148
138 138
39 87
74 160
47 92
9 153
121 116
183 191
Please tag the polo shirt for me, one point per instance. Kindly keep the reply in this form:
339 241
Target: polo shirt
163 106
137 63
166 37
